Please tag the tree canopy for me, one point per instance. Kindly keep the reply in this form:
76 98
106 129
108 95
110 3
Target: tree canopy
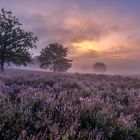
14 41
99 67
54 57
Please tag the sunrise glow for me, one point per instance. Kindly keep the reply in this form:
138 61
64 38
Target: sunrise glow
92 30
69 69
85 46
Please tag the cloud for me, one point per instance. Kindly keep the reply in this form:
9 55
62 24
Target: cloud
69 29
75 21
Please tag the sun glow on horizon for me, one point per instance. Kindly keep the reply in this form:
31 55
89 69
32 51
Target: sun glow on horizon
86 46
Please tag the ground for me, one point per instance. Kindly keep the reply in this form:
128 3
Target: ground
64 106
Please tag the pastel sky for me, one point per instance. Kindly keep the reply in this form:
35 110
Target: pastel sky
93 30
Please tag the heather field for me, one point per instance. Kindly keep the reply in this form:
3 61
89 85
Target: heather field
59 106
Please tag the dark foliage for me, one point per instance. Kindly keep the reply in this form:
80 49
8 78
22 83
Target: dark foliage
14 41
99 67
54 57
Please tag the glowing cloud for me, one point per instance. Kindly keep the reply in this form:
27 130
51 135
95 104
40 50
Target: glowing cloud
93 30
86 46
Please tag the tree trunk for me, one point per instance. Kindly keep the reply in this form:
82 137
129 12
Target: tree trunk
2 58
2 65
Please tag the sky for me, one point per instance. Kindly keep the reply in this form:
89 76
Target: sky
93 30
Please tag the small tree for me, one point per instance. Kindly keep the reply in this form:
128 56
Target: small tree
99 67
14 41
54 57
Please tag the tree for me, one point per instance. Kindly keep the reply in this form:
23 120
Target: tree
54 57
100 67
14 41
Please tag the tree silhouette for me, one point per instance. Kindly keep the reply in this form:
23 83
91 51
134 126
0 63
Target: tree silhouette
99 67
14 41
54 57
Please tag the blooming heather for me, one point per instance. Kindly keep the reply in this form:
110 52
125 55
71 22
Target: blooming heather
59 106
